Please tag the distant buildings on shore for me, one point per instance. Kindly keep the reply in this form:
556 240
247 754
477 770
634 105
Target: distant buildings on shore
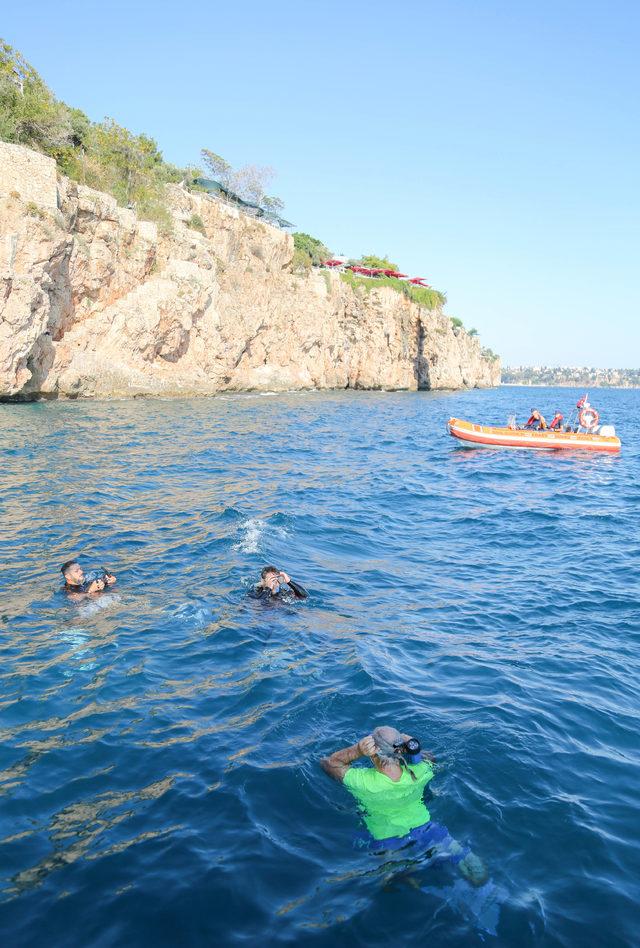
570 375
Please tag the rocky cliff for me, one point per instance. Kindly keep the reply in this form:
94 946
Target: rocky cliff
94 302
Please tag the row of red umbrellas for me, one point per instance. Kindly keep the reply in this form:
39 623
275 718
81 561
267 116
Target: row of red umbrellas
376 272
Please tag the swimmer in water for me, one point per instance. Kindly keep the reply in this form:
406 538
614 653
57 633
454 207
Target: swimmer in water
77 585
390 794
274 584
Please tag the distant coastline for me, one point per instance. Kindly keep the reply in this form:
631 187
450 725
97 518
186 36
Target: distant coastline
570 377
504 384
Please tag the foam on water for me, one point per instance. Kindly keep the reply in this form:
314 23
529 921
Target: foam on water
159 746
255 535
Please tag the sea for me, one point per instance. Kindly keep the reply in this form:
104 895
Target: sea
160 744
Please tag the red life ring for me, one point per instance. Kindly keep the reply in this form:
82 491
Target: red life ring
589 418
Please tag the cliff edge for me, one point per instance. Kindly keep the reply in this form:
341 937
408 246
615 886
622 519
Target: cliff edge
94 302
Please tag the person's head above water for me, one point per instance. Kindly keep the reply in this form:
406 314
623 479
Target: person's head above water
393 746
73 573
386 738
270 578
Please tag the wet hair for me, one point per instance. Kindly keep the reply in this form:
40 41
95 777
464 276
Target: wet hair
64 569
268 569
387 741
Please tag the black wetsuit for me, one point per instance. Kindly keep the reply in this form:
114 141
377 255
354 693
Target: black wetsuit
263 592
71 588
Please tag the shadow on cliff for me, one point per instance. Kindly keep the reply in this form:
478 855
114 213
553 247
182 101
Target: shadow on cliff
41 357
421 362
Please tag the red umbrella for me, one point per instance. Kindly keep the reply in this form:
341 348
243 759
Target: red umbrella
394 273
419 281
365 271
333 263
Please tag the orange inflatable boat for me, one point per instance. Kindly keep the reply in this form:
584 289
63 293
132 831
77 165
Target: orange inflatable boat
478 436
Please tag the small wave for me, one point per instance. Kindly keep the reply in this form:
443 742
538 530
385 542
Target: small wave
253 533
193 615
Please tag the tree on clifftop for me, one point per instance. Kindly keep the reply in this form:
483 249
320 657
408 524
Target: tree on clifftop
217 167
381 263
29 112
15 67
249 182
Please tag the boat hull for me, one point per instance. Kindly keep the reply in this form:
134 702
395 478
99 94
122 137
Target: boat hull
487 436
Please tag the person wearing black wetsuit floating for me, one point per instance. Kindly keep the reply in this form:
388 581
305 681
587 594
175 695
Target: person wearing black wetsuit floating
274 584
77 585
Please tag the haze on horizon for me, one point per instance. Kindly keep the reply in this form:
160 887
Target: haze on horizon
492 148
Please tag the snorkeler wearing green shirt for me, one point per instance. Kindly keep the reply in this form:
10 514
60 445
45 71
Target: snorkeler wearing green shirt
390 795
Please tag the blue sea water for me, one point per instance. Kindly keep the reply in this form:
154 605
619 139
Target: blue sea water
159 746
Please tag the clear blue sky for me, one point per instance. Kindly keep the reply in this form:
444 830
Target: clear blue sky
489 145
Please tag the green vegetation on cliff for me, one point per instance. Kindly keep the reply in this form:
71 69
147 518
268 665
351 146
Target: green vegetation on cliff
429 298
308 252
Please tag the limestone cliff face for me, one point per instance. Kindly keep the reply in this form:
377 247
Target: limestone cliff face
94 302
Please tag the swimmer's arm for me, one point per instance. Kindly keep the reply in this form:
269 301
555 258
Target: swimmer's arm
299 591
337 764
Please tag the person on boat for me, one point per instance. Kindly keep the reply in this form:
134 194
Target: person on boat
390 794
536 421
78 585
556 422
275 584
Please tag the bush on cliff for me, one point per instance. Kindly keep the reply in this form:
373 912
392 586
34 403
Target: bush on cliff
308 252
382 263
430 299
